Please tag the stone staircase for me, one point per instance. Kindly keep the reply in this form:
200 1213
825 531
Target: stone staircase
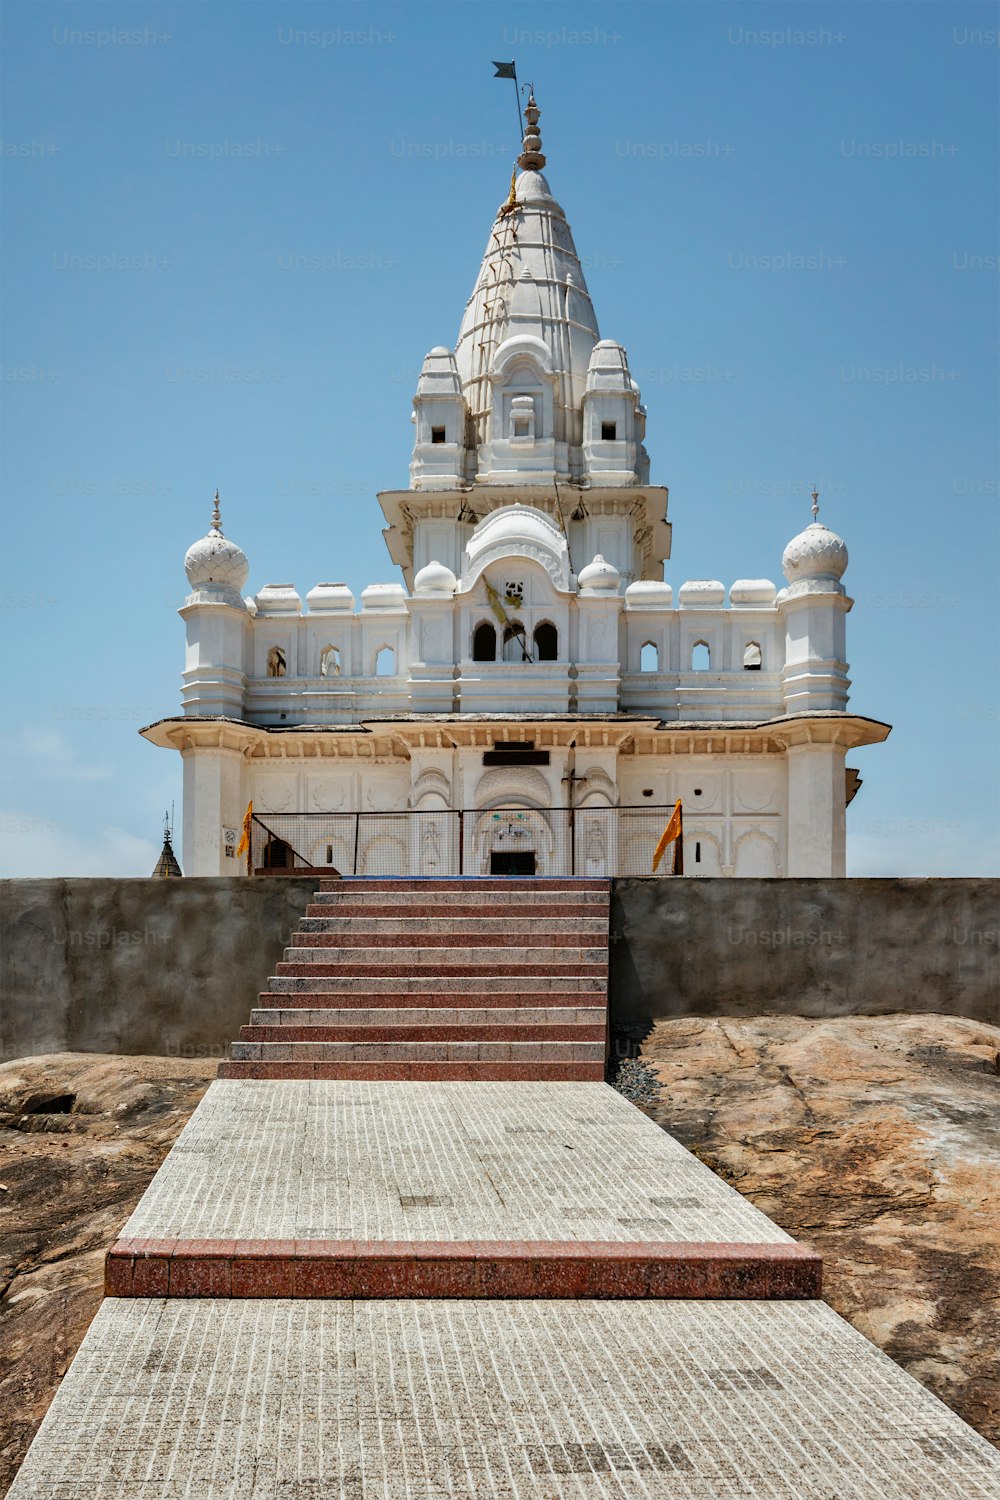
476 979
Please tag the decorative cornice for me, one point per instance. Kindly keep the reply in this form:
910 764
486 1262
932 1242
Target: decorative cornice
395 737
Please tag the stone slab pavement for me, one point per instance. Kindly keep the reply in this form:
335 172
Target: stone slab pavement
372 1161
427 1399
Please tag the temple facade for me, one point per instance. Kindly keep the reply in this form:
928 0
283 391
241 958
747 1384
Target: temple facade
533 696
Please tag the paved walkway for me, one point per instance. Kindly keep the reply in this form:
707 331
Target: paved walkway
270 1160
478 1400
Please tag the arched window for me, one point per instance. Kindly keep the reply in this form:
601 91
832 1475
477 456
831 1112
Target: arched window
701 658
649 657
514 647
385 662
484 642
752 658
277 662
546 642
329 661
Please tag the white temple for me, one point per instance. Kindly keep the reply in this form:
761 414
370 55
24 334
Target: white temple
535 672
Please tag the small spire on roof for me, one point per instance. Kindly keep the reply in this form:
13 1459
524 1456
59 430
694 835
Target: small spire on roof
531 158
815 503
216 515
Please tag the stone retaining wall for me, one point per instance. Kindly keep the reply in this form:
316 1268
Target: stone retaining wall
172 968
167 967
802 947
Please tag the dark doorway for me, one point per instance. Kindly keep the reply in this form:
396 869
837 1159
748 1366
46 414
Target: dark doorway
278 855
507 862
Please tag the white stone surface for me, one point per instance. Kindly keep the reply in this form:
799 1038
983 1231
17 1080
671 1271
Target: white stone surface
422 1400
508 1161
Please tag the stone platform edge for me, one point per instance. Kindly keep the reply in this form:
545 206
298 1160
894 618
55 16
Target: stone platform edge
511 1269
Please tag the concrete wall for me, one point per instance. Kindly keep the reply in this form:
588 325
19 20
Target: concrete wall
802 947
174 966
159 966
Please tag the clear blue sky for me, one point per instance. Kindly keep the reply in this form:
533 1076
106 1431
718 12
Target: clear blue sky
787 213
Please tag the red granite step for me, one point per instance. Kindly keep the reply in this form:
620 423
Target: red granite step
310 935
437 910
482 1072
474 1032
364 1048
407 1014
461 1268
392 999
443 972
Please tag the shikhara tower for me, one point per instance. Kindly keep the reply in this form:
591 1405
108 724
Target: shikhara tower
535 660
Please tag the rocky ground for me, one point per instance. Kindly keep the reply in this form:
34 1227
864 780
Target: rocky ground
878 1141
875 1139
80 1137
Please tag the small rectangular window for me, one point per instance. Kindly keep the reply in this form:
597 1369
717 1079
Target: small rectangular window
437 435
515 755
609 432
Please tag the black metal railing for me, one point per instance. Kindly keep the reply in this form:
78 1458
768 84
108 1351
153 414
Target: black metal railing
579 841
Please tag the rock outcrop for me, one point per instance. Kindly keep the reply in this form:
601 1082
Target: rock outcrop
81 1135
876 1139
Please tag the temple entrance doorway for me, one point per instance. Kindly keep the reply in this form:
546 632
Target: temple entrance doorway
509 862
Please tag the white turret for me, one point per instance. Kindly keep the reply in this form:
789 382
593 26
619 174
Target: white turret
815 606
216 619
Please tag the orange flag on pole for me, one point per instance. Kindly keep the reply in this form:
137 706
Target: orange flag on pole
244 844
670 833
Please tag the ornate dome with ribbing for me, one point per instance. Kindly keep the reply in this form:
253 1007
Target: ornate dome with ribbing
816 552
214 564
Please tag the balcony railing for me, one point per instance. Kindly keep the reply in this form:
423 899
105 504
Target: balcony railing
544 841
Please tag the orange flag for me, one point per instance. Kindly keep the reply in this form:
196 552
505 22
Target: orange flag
244 843
670 833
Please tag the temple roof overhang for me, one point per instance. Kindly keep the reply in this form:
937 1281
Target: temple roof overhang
396 735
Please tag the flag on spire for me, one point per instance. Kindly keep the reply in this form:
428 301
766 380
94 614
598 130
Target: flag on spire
504 70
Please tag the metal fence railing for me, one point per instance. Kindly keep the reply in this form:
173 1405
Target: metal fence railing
581 841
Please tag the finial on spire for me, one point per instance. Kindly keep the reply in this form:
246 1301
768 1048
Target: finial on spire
216 515
531 158
815 503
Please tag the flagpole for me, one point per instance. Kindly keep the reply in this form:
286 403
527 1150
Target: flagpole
509 70
520 125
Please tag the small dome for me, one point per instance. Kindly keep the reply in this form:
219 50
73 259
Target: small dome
435 578
214 564
649 593
600 575
816 552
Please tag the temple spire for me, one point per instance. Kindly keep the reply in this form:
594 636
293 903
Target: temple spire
531 158
216 515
